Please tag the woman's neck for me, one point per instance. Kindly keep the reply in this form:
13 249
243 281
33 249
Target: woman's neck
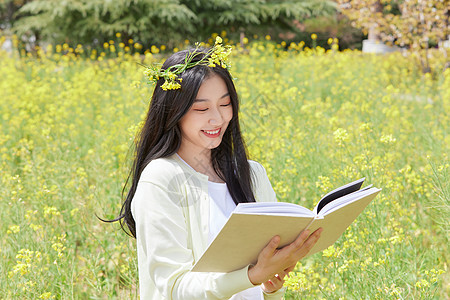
200 162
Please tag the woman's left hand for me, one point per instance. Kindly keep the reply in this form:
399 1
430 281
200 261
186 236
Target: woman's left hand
275 283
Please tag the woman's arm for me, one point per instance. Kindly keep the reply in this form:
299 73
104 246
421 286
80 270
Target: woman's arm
164 254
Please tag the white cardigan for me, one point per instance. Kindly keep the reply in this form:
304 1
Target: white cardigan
171 211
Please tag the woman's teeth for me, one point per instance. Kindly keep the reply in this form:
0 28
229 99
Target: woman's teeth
212 132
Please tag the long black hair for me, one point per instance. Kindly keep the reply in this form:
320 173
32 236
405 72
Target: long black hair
160 135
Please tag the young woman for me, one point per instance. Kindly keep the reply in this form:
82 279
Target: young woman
189 172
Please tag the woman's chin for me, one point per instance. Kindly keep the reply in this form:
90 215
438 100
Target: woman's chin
214 144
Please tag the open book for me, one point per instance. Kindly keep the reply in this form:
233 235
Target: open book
252 225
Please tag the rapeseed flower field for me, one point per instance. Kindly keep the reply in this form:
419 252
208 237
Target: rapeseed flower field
315 118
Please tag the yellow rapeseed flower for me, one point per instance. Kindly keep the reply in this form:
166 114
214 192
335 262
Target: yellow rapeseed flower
35 227
48 295
13 229
51 210
154 49
340 136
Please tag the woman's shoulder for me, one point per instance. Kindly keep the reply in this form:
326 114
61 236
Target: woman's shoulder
258 173
160 168
169 171
257 168
261 184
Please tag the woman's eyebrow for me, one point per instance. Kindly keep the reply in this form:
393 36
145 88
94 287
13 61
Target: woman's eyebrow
206 100
225 95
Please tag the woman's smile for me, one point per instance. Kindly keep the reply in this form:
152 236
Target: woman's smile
212 133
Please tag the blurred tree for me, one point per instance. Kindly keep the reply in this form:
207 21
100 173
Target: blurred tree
158 21
326 27
364 14
8 9
413 24
251 16
84 21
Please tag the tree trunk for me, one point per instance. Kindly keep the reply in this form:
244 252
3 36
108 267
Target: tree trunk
241 38
10 10
374 34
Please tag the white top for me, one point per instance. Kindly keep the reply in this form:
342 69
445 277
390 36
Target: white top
171 210
220 208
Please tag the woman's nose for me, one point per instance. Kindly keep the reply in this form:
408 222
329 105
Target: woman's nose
216 117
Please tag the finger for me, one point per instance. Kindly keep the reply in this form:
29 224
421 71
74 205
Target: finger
269 286
310 242
275 281
273 284
300 239
312 239
318 231
271 246
281 276
290 269
278 280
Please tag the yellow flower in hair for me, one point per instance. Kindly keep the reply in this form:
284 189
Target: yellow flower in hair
171 75
216 56
170 85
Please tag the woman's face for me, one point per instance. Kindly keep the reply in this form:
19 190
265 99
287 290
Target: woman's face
203 126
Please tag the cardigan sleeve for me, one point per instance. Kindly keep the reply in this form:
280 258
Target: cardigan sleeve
274 296
164 254
262 188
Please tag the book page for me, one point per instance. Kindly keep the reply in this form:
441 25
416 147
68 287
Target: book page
337 221
339 192
338 203
273 208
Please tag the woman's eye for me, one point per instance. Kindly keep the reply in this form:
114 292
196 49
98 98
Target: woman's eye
205 109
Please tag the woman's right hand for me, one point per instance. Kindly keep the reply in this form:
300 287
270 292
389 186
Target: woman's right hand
273 262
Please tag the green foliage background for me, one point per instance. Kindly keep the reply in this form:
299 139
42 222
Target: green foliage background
157 21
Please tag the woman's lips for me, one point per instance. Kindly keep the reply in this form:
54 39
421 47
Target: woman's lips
212 133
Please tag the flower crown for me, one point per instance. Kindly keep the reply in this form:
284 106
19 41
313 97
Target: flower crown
217 55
